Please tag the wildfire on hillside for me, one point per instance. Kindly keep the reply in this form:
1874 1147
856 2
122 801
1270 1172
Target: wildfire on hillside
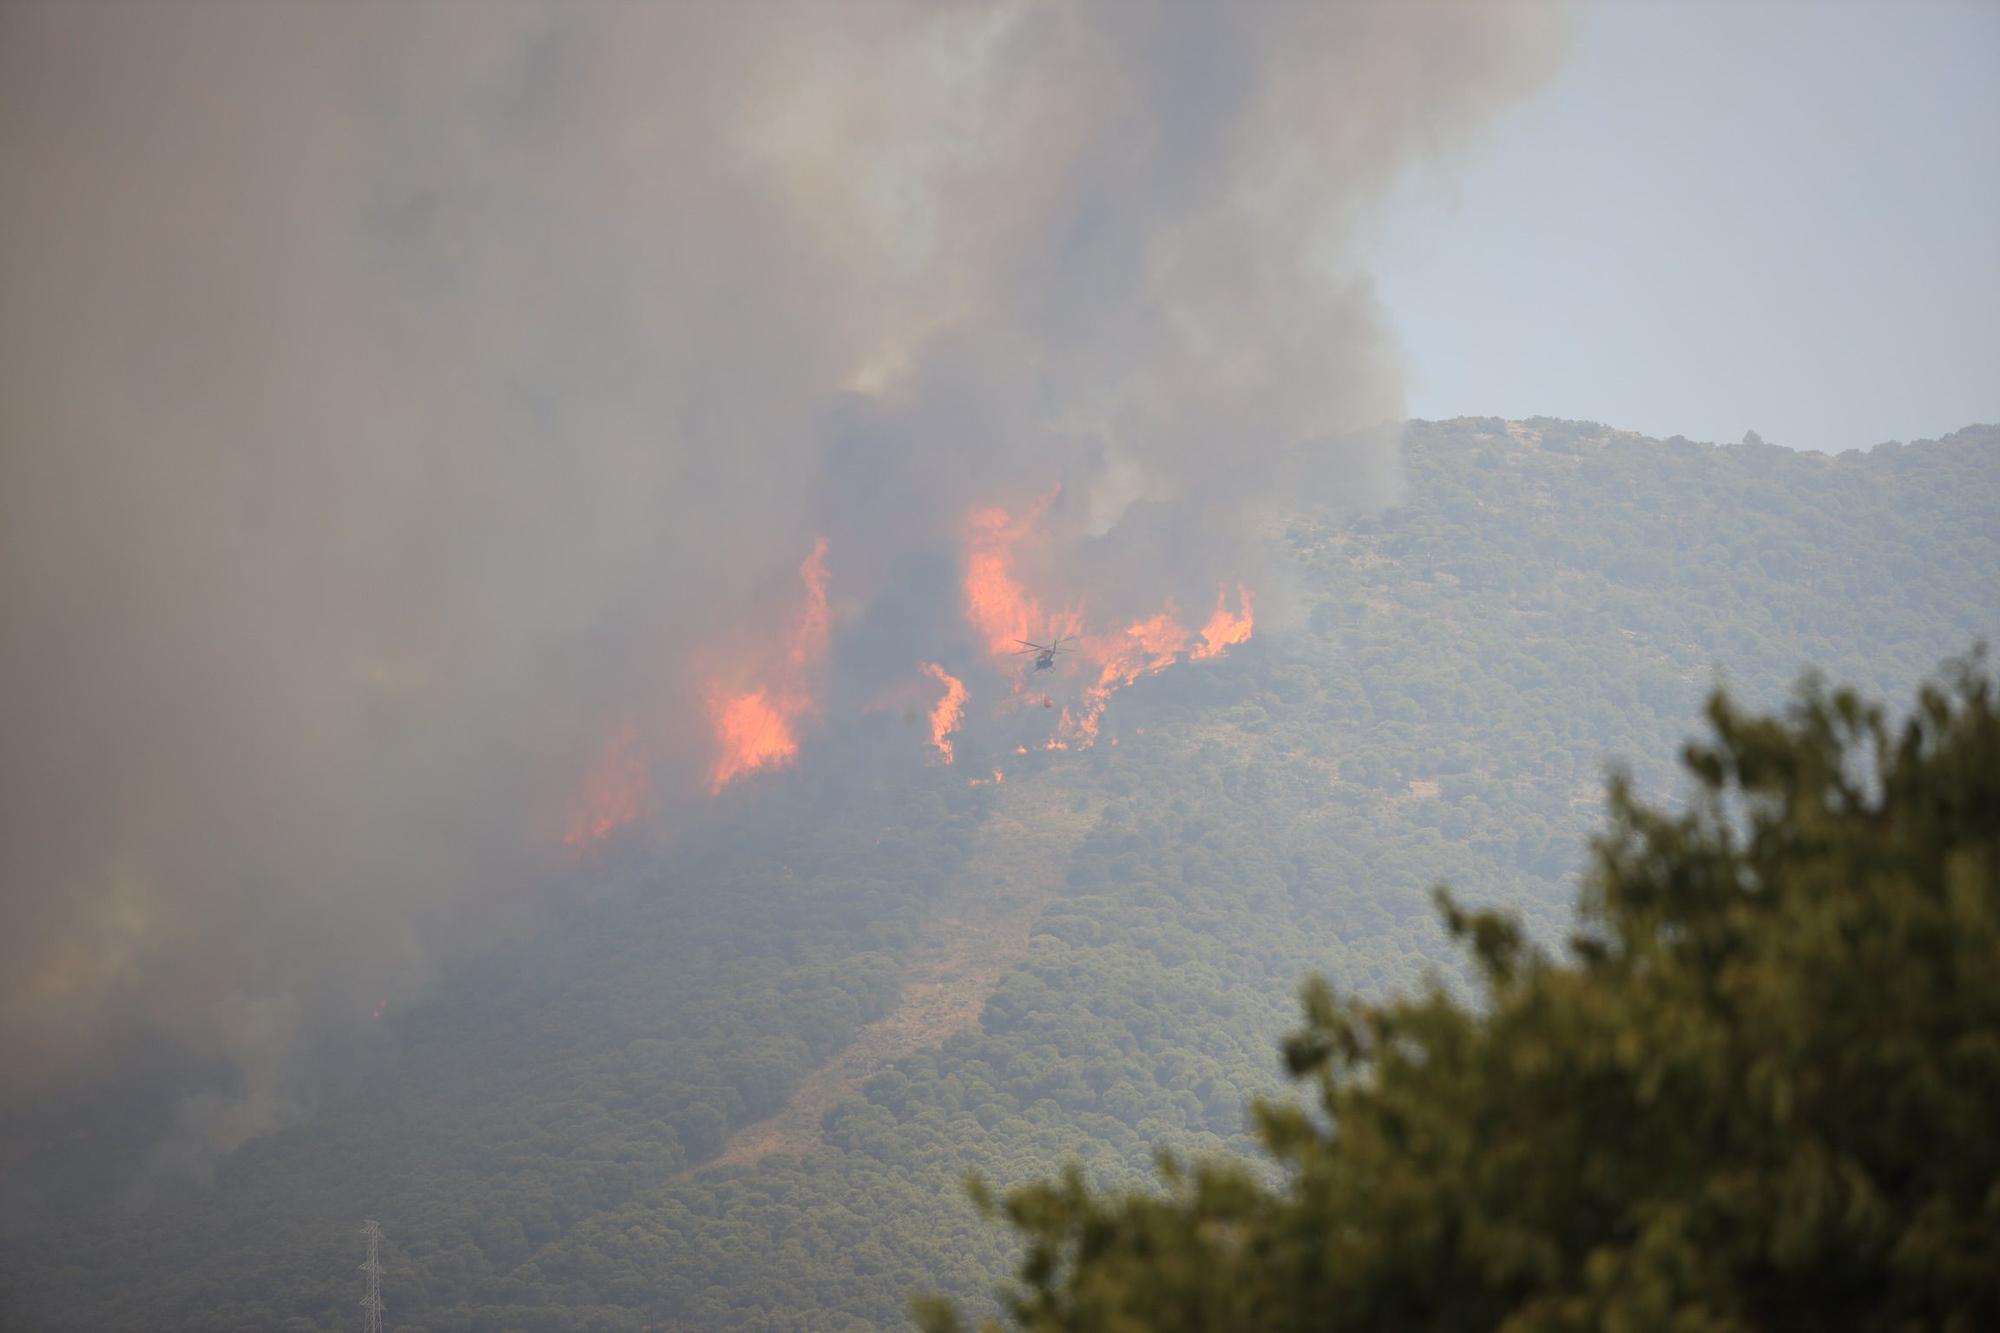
1013 593
949 711
997 607
757 728
1008 615
1226 628
754 723
753 730
614 792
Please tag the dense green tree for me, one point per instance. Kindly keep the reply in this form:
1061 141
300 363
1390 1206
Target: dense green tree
1762 1091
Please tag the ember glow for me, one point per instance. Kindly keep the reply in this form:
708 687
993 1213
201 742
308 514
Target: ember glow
950 710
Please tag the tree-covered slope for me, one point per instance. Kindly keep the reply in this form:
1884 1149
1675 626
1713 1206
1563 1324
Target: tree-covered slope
1757 1090
1432 696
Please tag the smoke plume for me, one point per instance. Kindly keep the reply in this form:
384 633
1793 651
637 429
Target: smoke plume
416 416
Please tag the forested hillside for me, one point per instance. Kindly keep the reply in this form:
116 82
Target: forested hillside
1089 961
1755 1090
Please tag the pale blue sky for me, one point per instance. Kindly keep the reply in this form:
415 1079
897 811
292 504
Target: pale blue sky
1720 217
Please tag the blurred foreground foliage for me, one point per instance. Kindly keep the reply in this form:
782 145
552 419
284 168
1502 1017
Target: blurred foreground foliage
1761 1092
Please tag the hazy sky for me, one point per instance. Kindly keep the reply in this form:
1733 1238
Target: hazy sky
1719 217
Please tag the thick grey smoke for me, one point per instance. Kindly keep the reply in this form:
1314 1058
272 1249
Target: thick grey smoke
390 394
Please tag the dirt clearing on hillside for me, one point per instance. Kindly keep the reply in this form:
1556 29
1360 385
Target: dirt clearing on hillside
977 929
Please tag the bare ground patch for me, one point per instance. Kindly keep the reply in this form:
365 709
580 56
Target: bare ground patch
977 929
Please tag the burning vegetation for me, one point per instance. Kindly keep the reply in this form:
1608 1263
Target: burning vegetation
950 710
997 607
758 728
1007 615
756 714
614 792
754 722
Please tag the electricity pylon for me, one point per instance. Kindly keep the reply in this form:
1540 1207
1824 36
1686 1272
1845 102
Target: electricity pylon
371 1274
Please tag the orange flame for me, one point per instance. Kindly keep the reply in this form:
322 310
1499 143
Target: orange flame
946 715
753 731
1141 649
1146 647
614 792
1007 615
996 780
1223 629
756 728
996 604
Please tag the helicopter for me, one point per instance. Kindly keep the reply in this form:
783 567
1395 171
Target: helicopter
1045 654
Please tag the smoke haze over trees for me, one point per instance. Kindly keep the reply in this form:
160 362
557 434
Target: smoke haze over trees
1757 1090
634 635
1546 596
402 403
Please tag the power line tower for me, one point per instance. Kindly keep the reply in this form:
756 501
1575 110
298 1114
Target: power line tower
371 1277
